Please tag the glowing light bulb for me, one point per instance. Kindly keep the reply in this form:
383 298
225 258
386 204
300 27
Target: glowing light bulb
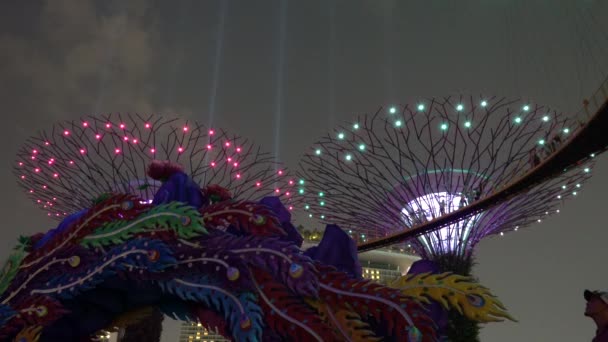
459 107
117 150
398 123
362 147
97 136
66 133
83 151
349 157
238 149
152 150
518 120
46 143
301 182
545 118
541 142
238 176
185 128
55 175
134 141
235 164
587 169
484 103
122 126
280 172
85 124
444 126
258 184
34 151
467 124
321 194
212 164
20 163
392 110
526 108
227 144
566 130
108 125
147 125
71 162
322 203
318 152
211 132
356 126
340 136
125 138
306 207
421 107
301 191
277 190
36 170
290 182
180 149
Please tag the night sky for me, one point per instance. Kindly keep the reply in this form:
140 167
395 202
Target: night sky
285 72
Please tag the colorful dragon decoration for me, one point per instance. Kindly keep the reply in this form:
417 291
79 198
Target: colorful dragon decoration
201 255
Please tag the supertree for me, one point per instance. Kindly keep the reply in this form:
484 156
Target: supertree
123 253
65 169
406 165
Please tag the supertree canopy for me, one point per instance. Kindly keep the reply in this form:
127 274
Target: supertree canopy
176 223
64 169
405 165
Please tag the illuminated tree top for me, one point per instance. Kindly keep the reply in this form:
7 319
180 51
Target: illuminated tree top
404 165
64 169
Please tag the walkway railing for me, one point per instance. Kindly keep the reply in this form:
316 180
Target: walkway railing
590 140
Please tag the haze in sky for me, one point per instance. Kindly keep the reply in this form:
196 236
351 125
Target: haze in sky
284 73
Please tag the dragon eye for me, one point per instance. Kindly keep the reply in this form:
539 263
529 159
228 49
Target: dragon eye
475 300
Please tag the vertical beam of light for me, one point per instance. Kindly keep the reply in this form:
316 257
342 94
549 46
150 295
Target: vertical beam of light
177 58
280 77
219 46
332 63
388 49
109 54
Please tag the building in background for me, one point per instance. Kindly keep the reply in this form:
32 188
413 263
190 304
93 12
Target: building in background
106 336
195 332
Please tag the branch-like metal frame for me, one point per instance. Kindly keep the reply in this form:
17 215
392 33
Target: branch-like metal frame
363 175
64 169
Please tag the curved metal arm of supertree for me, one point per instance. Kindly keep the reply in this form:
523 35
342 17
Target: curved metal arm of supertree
66 168
401 167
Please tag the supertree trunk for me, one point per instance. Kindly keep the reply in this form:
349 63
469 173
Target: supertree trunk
149 329
460 328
